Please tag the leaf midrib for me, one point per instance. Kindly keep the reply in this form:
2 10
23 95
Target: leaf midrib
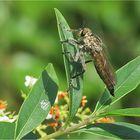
30 116
42 91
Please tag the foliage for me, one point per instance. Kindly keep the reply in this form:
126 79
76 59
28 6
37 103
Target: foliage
70 114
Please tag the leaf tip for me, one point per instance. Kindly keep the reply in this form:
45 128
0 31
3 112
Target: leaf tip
56 10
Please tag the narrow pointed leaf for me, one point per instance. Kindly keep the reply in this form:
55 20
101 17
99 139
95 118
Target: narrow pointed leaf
128 78
119 130
7 130
125 112
38 103
71 67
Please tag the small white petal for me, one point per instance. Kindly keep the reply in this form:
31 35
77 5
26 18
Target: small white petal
4 118
56 99
49 116
27 77
11 120
34 81
29 81
26 83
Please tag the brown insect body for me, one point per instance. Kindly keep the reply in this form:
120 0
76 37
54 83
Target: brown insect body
93 45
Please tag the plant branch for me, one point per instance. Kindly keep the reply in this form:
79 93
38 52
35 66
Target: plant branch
70 129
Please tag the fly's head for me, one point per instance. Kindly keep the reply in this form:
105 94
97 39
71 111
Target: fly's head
90 41
85 32
85 37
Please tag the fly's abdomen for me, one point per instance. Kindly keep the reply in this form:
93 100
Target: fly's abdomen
104 70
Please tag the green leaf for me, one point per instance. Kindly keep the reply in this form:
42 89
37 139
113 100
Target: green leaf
31 136
7 130
128 78
113 130
125 112
72 67
37 105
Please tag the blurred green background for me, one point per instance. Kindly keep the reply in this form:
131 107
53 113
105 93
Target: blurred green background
29 41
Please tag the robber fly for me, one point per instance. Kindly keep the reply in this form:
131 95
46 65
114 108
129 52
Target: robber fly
92 45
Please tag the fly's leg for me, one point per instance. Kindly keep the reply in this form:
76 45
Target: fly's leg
70 41
71 57
79 56
88 61
84 68
82 72
73 42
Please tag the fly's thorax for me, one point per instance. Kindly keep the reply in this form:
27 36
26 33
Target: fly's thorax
93 43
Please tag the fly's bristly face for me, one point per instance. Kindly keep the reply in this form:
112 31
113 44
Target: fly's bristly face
85 32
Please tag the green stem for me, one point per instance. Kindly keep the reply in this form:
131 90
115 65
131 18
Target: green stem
70 129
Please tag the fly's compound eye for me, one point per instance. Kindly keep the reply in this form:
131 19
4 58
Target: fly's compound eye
82 33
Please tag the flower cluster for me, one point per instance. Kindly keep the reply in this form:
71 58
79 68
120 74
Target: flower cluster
5 116
54 114
58 113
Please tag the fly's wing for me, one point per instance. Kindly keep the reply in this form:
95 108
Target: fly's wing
104 69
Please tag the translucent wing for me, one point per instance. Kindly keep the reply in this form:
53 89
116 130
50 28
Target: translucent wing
104 69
